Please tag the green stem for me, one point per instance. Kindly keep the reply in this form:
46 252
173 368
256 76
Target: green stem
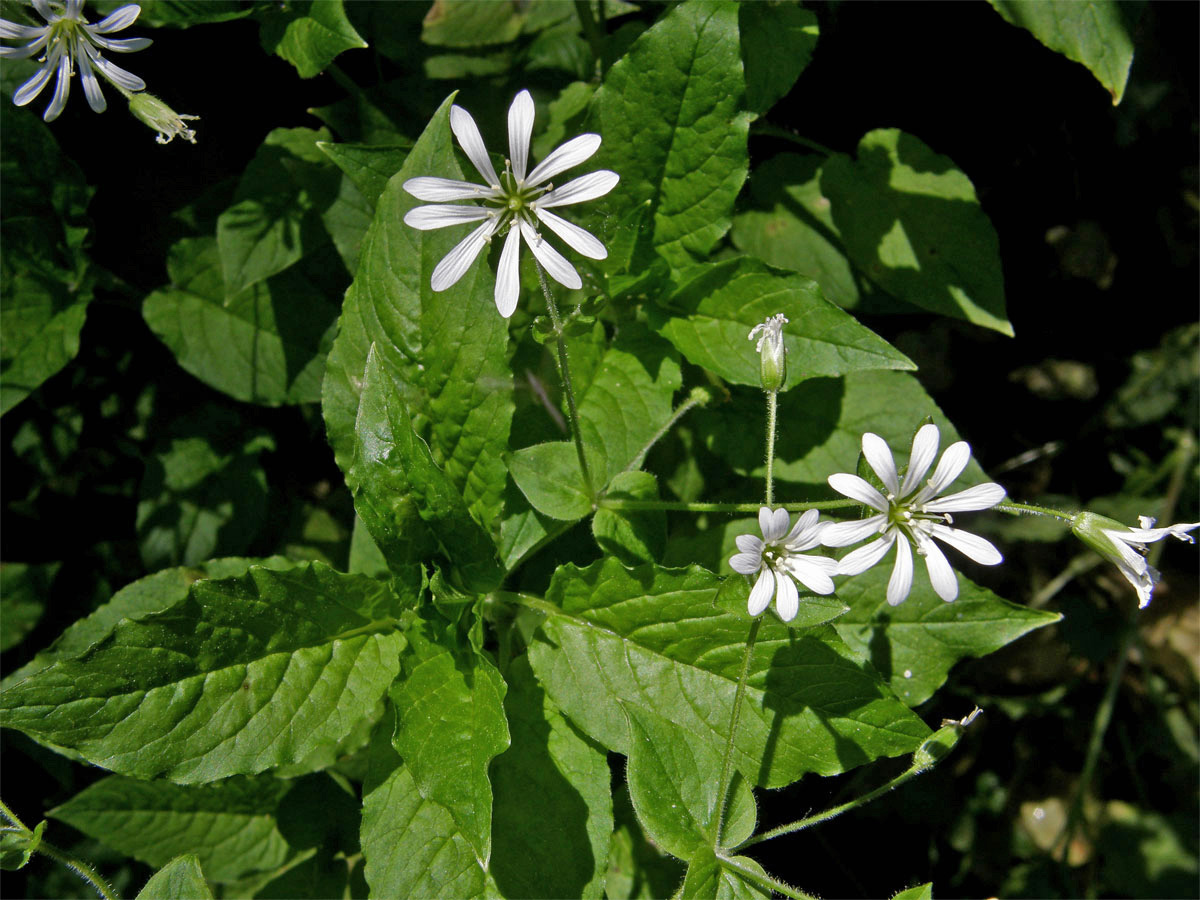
1028 509
592 33
564 371
342 79
679 413
734 717
800 824
78 866
682 506
772 407
769 130
765 881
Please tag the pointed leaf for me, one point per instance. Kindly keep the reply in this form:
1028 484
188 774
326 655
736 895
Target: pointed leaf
654 638
710 877
369 166
246 674
309 34
393 476
778 40
180 879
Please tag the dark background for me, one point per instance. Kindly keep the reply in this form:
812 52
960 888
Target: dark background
1045 148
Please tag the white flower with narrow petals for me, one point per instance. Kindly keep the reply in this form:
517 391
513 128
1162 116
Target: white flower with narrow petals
1126 547
67 41
514 203
912 514
777 559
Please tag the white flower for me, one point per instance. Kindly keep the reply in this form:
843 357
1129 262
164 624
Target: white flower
514 202
777 559
771 351
911 511
67 41
1125 547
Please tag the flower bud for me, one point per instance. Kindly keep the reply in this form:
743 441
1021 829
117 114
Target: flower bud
168 123
773 354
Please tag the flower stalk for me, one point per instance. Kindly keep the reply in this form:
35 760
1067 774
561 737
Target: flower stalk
734 717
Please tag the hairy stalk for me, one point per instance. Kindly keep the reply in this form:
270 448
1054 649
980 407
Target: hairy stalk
683 506
78 866
734 717
1028 509
564 372
683 409
765 881
772 406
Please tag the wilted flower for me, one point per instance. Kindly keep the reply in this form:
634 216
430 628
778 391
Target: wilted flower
1126 547
513 202
772 353
910 510
777 559
67 41
168 123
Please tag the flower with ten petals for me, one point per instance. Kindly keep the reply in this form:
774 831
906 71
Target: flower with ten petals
514 203
777 559
912 511
1126 547
67 41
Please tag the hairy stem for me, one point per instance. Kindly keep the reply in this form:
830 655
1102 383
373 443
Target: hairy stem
1028 509
772 407
679 413
765 881
682 506
734 717
78 866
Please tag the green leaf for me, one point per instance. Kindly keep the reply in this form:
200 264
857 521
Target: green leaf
447 352
553 818
655 638
637 869
464 23
917 892
402 495
914 645
275 218
267 344
821 426
24 590
710 877
44 278
1095 33
549 477
412 846
673 783
778 40
670 113
248 673
790 226
18 847
910 220
310 34
231 826
203 496
318 875
632 536
450 724
714 307
369 166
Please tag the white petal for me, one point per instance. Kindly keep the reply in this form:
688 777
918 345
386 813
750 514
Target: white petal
91 86
941 576
74 10
924 451
1150 535
62 87
469 139
879 457
520 128
578 239
813 572
120 45
113 73
439 190
787 598
745 563
970 545
582 189
902 574
982 496
427 218
806 533
748 543
858 561
773 523
16 32
25 52
118 19
570 154
552 261
949 467
508 274
45 10
760 595
33 86
455 263
843 534
858 489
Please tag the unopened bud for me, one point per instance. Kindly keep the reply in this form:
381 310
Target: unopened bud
772 352
168 123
